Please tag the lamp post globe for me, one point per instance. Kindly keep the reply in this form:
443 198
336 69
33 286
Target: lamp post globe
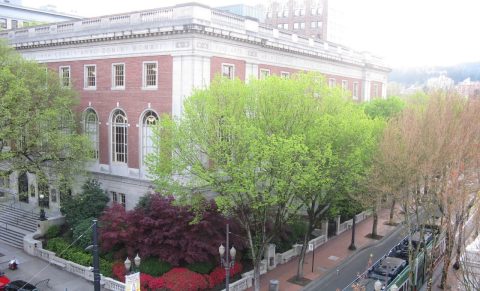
394 287
127 264
221 250
233 252
137 261
378 285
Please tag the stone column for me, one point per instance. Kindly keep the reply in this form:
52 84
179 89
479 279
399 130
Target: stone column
338 225
325 229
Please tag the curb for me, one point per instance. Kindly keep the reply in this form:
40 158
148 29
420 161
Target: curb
355 254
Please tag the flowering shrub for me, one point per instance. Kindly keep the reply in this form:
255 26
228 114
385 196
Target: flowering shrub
182 279
217 276
118 270
145 280
156 283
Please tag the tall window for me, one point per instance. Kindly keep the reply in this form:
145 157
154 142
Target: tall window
119 136
114 197
90 128
331 82
119 198
118 76
344 85
150 75
148 121
228 71
285 75
264 73
355 91
375 90
90 78
65 76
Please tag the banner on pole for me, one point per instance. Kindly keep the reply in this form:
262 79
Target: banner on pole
310 247
132 282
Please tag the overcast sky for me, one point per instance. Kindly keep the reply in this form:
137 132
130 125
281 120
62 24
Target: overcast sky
404 32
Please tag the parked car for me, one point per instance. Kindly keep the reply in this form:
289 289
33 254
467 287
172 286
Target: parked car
3 281
20 285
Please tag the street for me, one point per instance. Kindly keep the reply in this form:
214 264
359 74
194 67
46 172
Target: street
357 264
35 270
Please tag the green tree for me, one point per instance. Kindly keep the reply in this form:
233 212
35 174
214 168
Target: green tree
247 144
90 203
341 144
384 108
38 129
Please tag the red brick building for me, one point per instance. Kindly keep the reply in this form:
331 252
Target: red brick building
132 68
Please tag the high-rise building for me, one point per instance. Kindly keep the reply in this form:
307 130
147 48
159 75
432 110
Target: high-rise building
320 19
130 68
14 15
257 11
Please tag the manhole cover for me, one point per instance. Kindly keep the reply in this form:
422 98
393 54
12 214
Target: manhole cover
333 258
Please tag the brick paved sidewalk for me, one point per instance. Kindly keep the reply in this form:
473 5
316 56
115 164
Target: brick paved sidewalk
328 255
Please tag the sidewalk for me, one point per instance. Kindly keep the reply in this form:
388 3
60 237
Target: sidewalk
35 270
328 255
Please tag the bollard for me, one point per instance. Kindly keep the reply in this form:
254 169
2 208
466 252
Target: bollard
274 285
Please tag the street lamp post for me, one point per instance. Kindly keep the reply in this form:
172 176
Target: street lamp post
42 211
132 268
226 260
352 246
96 261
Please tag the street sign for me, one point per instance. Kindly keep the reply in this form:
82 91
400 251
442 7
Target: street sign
310 247
132 282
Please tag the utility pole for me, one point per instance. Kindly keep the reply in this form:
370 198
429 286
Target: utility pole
352 246
96 265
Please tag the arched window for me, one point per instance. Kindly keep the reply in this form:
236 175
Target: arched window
119 136
149 119
90 128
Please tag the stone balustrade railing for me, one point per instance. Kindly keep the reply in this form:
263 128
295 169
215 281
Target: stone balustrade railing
180 17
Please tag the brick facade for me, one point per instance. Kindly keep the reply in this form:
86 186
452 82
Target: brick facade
133 100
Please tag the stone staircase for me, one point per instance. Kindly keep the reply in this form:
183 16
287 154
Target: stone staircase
15 223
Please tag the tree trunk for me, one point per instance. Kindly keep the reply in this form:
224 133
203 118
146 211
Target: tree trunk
447 258
456 265
304 250
256 275
392 211
375 223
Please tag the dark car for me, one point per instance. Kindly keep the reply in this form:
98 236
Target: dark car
20 285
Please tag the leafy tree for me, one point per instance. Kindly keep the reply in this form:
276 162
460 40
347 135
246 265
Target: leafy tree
247 143
82 233
341 143
38 127
88 204
384 108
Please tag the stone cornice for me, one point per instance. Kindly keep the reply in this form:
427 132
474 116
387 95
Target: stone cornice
193 29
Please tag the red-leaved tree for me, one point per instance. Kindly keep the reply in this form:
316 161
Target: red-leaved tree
161 229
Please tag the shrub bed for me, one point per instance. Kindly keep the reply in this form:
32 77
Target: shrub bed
74 254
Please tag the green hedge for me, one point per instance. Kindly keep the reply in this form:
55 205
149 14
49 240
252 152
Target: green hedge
52 232
201 267
154 267
74 254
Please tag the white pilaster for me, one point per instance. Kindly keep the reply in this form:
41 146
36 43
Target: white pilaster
366 90
188 73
